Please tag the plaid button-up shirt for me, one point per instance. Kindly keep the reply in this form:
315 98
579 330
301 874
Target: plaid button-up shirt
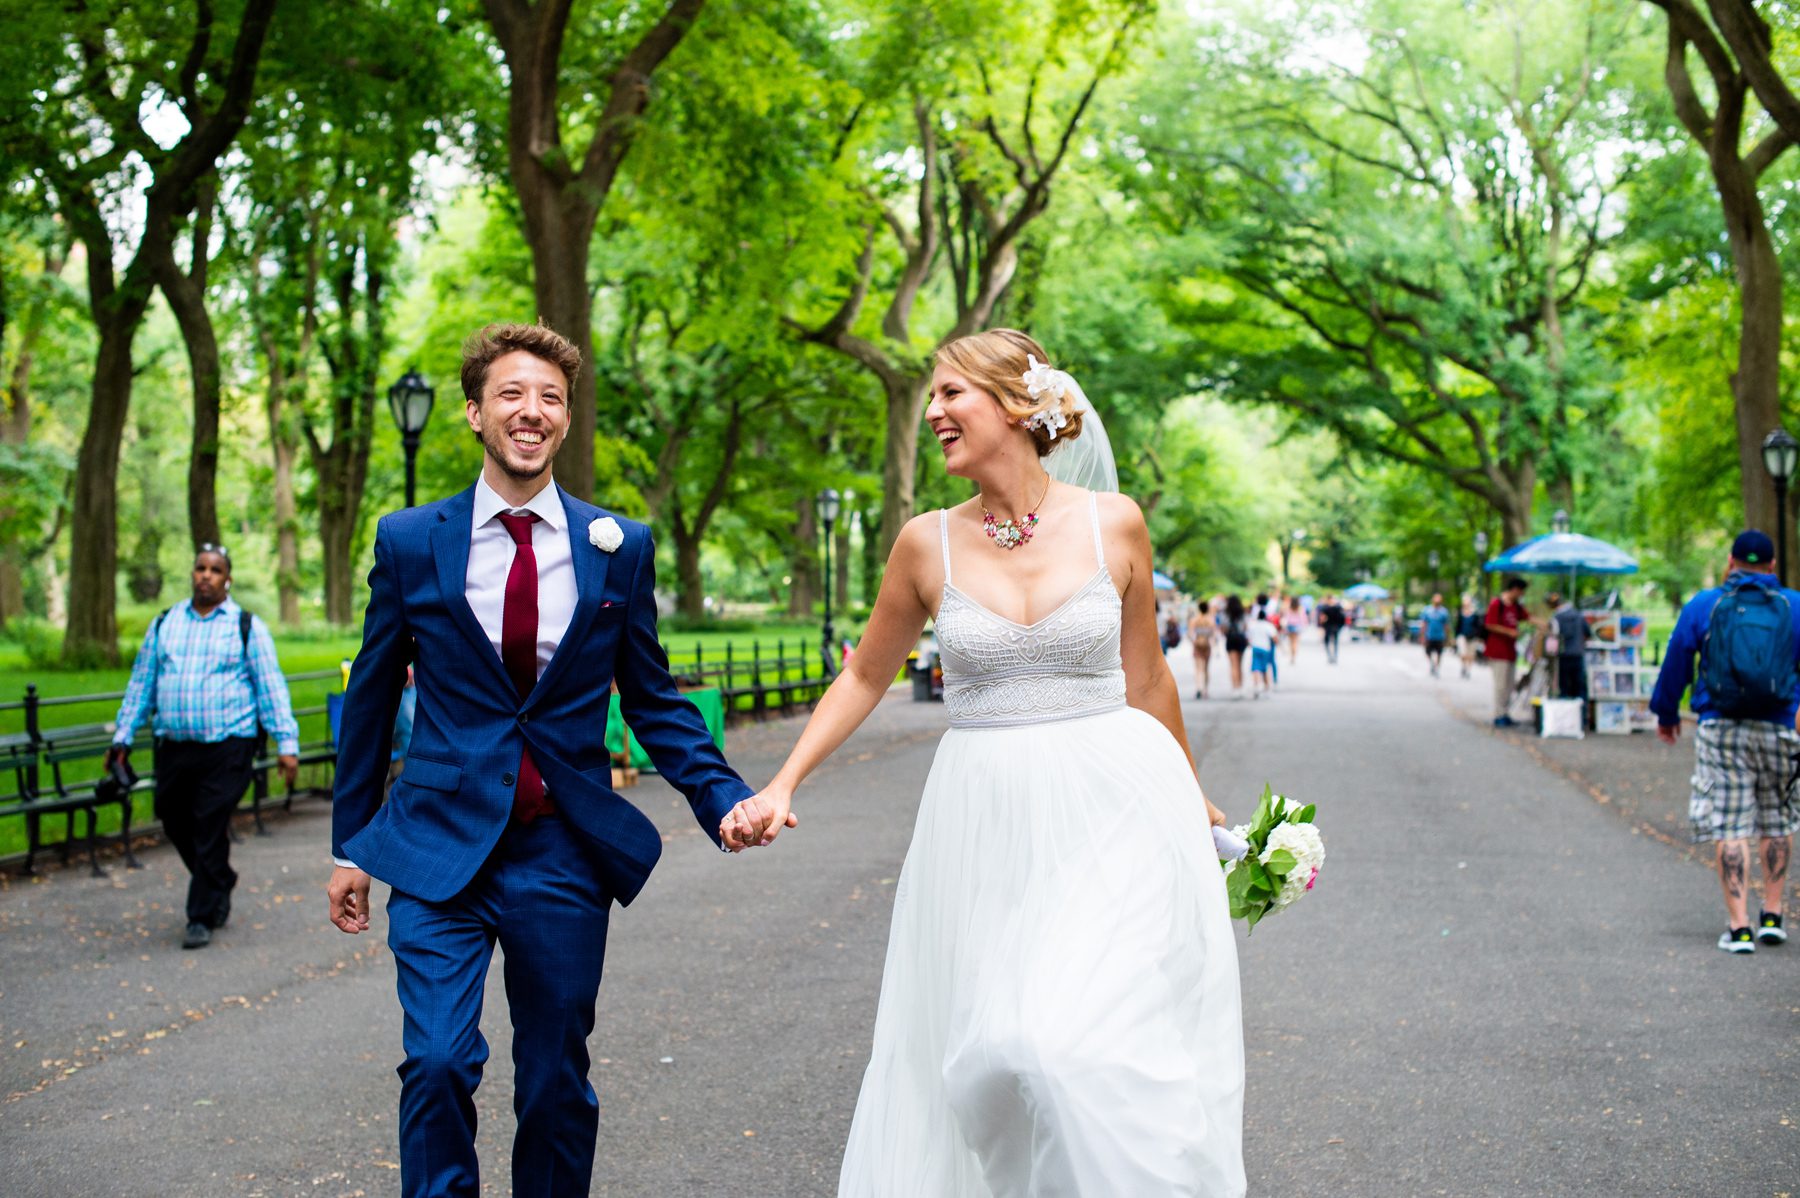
192 671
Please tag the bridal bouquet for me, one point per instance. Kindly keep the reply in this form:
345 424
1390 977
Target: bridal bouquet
1272 860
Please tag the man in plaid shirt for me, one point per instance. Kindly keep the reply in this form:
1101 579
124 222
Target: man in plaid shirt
209 684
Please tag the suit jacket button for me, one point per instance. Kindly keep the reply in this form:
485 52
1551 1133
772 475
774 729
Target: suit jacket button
506 779
524 717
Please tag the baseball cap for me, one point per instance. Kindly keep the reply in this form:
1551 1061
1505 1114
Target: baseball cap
1753 547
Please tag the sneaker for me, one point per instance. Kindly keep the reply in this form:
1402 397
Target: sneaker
1770 931
199 936
1737 940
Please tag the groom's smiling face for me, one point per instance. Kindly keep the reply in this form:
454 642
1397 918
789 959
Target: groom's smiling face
523 415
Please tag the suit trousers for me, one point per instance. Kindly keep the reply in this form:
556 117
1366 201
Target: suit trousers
541 898
198 786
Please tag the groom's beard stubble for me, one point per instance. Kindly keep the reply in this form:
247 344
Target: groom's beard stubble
496 443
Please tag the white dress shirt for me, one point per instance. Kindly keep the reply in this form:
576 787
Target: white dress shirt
491 551
490 561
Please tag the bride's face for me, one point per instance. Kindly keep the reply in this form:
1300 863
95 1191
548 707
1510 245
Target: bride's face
969 423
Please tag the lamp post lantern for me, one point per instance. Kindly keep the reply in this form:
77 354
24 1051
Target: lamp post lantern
1780 454
829 506
1481 547
410 401
1433 560
1559 522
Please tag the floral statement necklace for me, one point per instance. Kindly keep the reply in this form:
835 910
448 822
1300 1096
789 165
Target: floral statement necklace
1010 534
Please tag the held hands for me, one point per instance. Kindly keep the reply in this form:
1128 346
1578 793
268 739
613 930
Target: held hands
758 820
348 892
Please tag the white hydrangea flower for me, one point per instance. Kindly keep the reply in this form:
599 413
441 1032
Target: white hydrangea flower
1308 849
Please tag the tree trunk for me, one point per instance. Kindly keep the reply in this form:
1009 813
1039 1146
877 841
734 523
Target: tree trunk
287 527
840 564
803 562
337 525
186 293
691 600
92 637
1756 383
560 235
900 453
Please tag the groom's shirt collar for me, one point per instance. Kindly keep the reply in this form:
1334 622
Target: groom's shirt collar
547 504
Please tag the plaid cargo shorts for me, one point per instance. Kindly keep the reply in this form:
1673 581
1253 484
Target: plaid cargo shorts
1744 775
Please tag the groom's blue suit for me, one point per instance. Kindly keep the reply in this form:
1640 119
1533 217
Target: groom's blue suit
465 872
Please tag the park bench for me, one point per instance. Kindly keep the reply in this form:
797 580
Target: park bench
51 782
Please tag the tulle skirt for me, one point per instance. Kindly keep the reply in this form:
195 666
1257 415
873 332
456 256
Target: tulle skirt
1059 1013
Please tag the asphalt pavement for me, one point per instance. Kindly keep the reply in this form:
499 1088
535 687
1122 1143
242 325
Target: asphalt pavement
1504 984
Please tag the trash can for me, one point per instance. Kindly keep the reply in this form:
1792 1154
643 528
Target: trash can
921 681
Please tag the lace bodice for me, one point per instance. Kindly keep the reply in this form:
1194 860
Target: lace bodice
999 674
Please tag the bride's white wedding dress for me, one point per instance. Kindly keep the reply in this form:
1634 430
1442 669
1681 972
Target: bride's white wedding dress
1059 1013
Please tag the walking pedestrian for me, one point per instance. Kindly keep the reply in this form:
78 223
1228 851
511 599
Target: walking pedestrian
1293 623
1571 647
1202 628
1505 621
1468 634
207 668
1237 639
1268 607
1262 637
1434 631
1747 636
1331 622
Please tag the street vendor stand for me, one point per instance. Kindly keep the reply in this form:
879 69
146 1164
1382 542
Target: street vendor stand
1620 680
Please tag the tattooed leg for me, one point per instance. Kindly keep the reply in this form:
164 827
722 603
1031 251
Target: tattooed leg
1734 877
1775 853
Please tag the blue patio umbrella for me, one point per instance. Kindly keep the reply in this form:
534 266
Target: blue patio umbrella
1161 581
1563 553
1366 592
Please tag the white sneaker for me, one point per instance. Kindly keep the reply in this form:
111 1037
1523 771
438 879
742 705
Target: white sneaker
1737 940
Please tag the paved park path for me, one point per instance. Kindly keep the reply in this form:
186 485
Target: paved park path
1505 984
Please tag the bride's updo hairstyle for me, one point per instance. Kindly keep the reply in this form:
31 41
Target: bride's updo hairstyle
996 362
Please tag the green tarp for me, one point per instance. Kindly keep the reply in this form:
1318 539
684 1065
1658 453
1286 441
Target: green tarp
710 703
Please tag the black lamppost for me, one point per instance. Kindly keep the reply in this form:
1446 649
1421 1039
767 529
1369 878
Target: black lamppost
828 513
410 402
1434 561
1481 548
1780 454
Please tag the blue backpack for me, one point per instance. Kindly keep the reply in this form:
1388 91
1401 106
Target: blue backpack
1747 658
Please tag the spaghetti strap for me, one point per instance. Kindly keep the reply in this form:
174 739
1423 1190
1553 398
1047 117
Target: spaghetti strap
944 535
1094 515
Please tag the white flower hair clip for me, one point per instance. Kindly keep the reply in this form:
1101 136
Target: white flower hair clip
1046 385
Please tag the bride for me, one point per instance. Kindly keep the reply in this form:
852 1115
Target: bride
1059 1013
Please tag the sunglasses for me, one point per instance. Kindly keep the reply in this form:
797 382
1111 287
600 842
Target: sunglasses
209 547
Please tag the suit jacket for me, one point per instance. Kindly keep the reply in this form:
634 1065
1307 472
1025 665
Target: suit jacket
454 797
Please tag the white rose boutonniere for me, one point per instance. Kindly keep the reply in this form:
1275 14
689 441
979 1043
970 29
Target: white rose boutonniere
605 534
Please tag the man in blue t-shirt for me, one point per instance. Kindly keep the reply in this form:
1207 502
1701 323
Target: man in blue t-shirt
1744 767
1434 630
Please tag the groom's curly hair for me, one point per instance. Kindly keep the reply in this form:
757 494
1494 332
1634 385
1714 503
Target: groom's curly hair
485 346
995 361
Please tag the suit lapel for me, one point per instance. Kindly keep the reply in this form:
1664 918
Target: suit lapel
590 581
450 551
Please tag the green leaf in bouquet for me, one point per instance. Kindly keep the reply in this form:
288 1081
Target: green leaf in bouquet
1304 815
1261 819
1281 863
1237 889
1251 916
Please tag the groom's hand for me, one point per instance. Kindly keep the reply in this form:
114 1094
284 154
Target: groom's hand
758 820
348 891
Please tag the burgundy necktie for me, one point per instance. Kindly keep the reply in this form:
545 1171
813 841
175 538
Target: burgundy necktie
518 651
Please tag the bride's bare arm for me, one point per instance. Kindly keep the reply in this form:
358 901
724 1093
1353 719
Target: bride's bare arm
913 570
1149 686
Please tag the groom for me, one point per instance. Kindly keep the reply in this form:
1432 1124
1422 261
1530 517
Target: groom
521 607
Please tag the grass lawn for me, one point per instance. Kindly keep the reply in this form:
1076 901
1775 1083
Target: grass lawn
749 651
